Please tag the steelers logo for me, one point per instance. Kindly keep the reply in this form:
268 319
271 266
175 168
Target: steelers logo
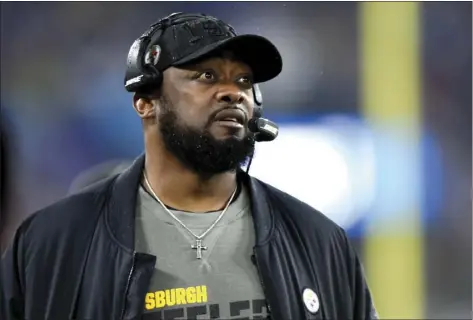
311 301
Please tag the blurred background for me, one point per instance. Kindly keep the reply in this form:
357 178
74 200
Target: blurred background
374 105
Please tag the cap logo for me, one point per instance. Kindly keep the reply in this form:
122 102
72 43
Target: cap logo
194 37
214 28
198 29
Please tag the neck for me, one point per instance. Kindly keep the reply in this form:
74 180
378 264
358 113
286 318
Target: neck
180 188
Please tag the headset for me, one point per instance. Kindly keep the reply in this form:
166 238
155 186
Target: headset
141 72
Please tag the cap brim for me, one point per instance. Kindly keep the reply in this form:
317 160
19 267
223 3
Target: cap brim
260 54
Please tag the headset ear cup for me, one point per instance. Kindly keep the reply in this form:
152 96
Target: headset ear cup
153 76
141 73
150 83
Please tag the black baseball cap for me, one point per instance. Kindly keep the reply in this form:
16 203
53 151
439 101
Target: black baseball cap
197 36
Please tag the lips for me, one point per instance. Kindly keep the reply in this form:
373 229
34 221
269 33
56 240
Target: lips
236 116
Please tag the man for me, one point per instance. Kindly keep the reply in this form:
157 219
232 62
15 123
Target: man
184 233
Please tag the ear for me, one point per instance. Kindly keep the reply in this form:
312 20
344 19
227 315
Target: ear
145 106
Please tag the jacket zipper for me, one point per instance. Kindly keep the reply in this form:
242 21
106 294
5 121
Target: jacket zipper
128 286
268 307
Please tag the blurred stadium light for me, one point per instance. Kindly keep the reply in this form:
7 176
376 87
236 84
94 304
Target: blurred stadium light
329 164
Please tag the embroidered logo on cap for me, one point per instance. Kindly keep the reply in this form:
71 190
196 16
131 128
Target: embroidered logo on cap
311 301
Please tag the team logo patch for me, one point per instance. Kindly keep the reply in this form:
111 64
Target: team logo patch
152 56
311 301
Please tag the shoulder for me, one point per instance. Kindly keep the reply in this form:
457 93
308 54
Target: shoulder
71 215
59 233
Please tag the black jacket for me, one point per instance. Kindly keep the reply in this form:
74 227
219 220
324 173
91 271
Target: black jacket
75 258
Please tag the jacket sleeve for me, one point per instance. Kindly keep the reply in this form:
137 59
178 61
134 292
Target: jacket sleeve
11 280
363 304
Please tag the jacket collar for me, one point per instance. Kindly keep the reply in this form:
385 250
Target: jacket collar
120 214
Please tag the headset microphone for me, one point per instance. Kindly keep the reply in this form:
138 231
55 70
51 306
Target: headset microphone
264 129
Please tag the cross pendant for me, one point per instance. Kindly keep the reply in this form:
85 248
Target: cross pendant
199 247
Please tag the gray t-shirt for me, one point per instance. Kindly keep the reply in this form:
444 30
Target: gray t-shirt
224 284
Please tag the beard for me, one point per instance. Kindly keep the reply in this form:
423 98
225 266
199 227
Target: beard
198 149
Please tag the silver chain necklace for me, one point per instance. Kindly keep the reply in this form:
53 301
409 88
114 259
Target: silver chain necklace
198 246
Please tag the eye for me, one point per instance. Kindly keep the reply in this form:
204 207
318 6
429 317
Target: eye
245 80
207 76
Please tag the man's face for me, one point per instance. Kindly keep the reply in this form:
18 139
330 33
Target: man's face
203 113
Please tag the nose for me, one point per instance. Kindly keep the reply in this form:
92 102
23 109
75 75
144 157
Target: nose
230 96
